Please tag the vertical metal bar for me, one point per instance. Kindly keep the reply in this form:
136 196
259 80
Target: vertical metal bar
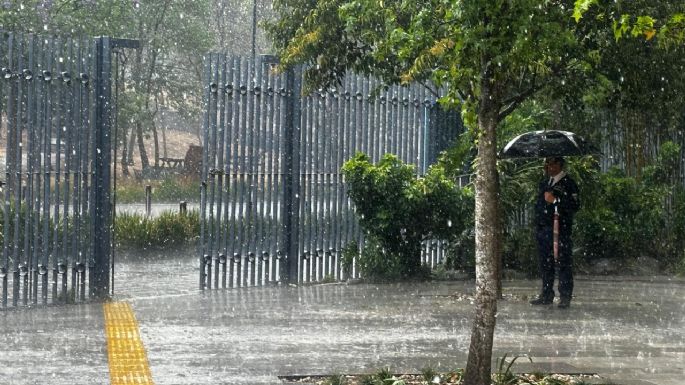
236 152
279 203
245 189
89 102
82 148
316 162
75 136
232 144
102 160
344 118
4 269
269 180
212 168
402 123
224 143
308 165
218 164
266 179
32 199
48 246
68 129
259 171
203 178
44 124
18 185
92 169
291 173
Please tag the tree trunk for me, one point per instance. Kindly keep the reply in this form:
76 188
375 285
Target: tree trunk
478 367
144 162
131 144
124 155
155 142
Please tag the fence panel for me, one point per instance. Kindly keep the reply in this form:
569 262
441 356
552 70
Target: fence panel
49 224
274 203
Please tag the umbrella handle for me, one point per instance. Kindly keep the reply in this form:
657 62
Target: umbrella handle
555 234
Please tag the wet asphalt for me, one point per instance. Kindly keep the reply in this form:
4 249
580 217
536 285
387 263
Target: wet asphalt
628 330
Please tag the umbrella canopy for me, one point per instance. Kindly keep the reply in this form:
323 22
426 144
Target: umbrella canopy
547 143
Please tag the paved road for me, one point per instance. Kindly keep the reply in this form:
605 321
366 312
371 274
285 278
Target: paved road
626 329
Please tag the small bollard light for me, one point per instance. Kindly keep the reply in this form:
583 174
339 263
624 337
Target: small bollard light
222 259
66 77
265 255
305 255
23 269
47 75
62 268
236 257
3 272
279 254
42 270
251 257
148 200
207 259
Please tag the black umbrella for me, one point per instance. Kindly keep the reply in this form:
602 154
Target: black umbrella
547 143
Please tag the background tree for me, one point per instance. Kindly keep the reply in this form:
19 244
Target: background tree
166 69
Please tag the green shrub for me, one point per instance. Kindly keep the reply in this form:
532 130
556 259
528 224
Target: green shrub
167 230
398 210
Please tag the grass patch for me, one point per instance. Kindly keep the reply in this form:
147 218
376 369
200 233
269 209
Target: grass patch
175 189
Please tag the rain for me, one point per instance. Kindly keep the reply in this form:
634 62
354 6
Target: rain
205 192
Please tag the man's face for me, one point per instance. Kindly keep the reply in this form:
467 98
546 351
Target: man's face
552 167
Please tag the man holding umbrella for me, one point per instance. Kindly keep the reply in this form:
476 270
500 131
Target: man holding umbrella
557 202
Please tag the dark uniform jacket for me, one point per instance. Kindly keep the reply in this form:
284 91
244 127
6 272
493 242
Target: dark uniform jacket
566 192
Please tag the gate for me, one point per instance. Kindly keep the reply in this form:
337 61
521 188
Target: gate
274 205
56 222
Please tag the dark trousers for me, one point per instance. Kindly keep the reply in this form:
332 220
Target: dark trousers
546 263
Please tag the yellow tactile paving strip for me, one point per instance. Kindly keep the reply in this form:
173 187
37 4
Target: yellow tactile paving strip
128 362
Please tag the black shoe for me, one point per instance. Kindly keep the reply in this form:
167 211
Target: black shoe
564 303
541 301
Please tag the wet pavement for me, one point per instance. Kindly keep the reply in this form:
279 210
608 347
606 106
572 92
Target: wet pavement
629 330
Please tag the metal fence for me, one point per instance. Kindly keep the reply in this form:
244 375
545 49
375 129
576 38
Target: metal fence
54 104
273 202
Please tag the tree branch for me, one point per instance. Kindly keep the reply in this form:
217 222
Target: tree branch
513 102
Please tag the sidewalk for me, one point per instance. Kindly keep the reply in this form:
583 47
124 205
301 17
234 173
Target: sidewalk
629 330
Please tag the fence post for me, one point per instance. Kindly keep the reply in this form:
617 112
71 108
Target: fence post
101 210
291 171
100 261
